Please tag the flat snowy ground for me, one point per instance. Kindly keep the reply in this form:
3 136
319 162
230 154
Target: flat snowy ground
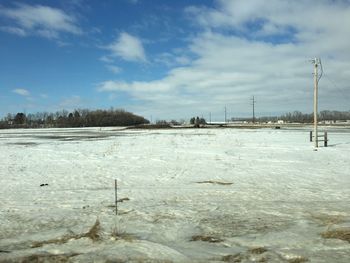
190 195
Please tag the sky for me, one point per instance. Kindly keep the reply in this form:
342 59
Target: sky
166 59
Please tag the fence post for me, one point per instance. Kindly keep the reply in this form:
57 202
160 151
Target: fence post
310 136
116 196
325 139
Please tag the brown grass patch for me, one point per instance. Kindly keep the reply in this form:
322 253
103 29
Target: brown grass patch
209 239
93 234
233 258
328 220
41 258
121 200
257 250
121 235
298 260
214 182
341 233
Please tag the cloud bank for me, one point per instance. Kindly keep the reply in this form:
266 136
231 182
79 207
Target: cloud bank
246 48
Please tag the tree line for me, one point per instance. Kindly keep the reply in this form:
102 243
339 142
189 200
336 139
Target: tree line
297 116
77 118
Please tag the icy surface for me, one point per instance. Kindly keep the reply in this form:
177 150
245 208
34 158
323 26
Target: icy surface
191 195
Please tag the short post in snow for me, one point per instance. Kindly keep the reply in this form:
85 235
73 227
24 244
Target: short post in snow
116 196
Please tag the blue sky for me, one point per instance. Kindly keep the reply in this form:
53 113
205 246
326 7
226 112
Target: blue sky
173 59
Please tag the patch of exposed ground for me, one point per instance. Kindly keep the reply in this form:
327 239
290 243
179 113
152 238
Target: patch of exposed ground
23 143
93 234
257 250
205 238
327 219
261 254
340 233
214 182
41 258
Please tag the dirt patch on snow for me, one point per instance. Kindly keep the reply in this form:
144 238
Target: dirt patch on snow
214 182
340 233
205 238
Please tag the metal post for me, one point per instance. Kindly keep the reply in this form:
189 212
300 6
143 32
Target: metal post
315 100
325 139
310 136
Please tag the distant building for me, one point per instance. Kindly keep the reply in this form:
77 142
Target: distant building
280 121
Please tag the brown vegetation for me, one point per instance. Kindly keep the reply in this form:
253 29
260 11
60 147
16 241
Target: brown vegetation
341 233
93 234
257 250
41 258
204 238
233 258
298 260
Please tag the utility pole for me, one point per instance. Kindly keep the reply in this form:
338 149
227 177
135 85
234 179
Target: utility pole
253 103
209 117
316 62
225 115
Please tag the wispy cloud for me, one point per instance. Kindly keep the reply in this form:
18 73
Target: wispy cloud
134 2
106 59
22 92
39 20
128 47
71 103
113 69
14 30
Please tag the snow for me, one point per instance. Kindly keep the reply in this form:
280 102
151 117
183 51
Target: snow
282 197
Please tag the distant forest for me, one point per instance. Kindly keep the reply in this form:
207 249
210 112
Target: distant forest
77 118
118 117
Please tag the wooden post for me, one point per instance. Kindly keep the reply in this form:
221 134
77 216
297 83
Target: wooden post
310 136
315 100
325 139
116 196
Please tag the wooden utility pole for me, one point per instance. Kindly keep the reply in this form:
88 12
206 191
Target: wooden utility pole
225 115
316 62
315 101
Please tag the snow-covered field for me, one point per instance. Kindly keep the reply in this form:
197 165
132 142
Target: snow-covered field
190 195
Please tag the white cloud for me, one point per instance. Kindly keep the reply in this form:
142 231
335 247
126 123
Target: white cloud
71 103
106 59
22 92
128 47
14 30
229 68
40 20
113 69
